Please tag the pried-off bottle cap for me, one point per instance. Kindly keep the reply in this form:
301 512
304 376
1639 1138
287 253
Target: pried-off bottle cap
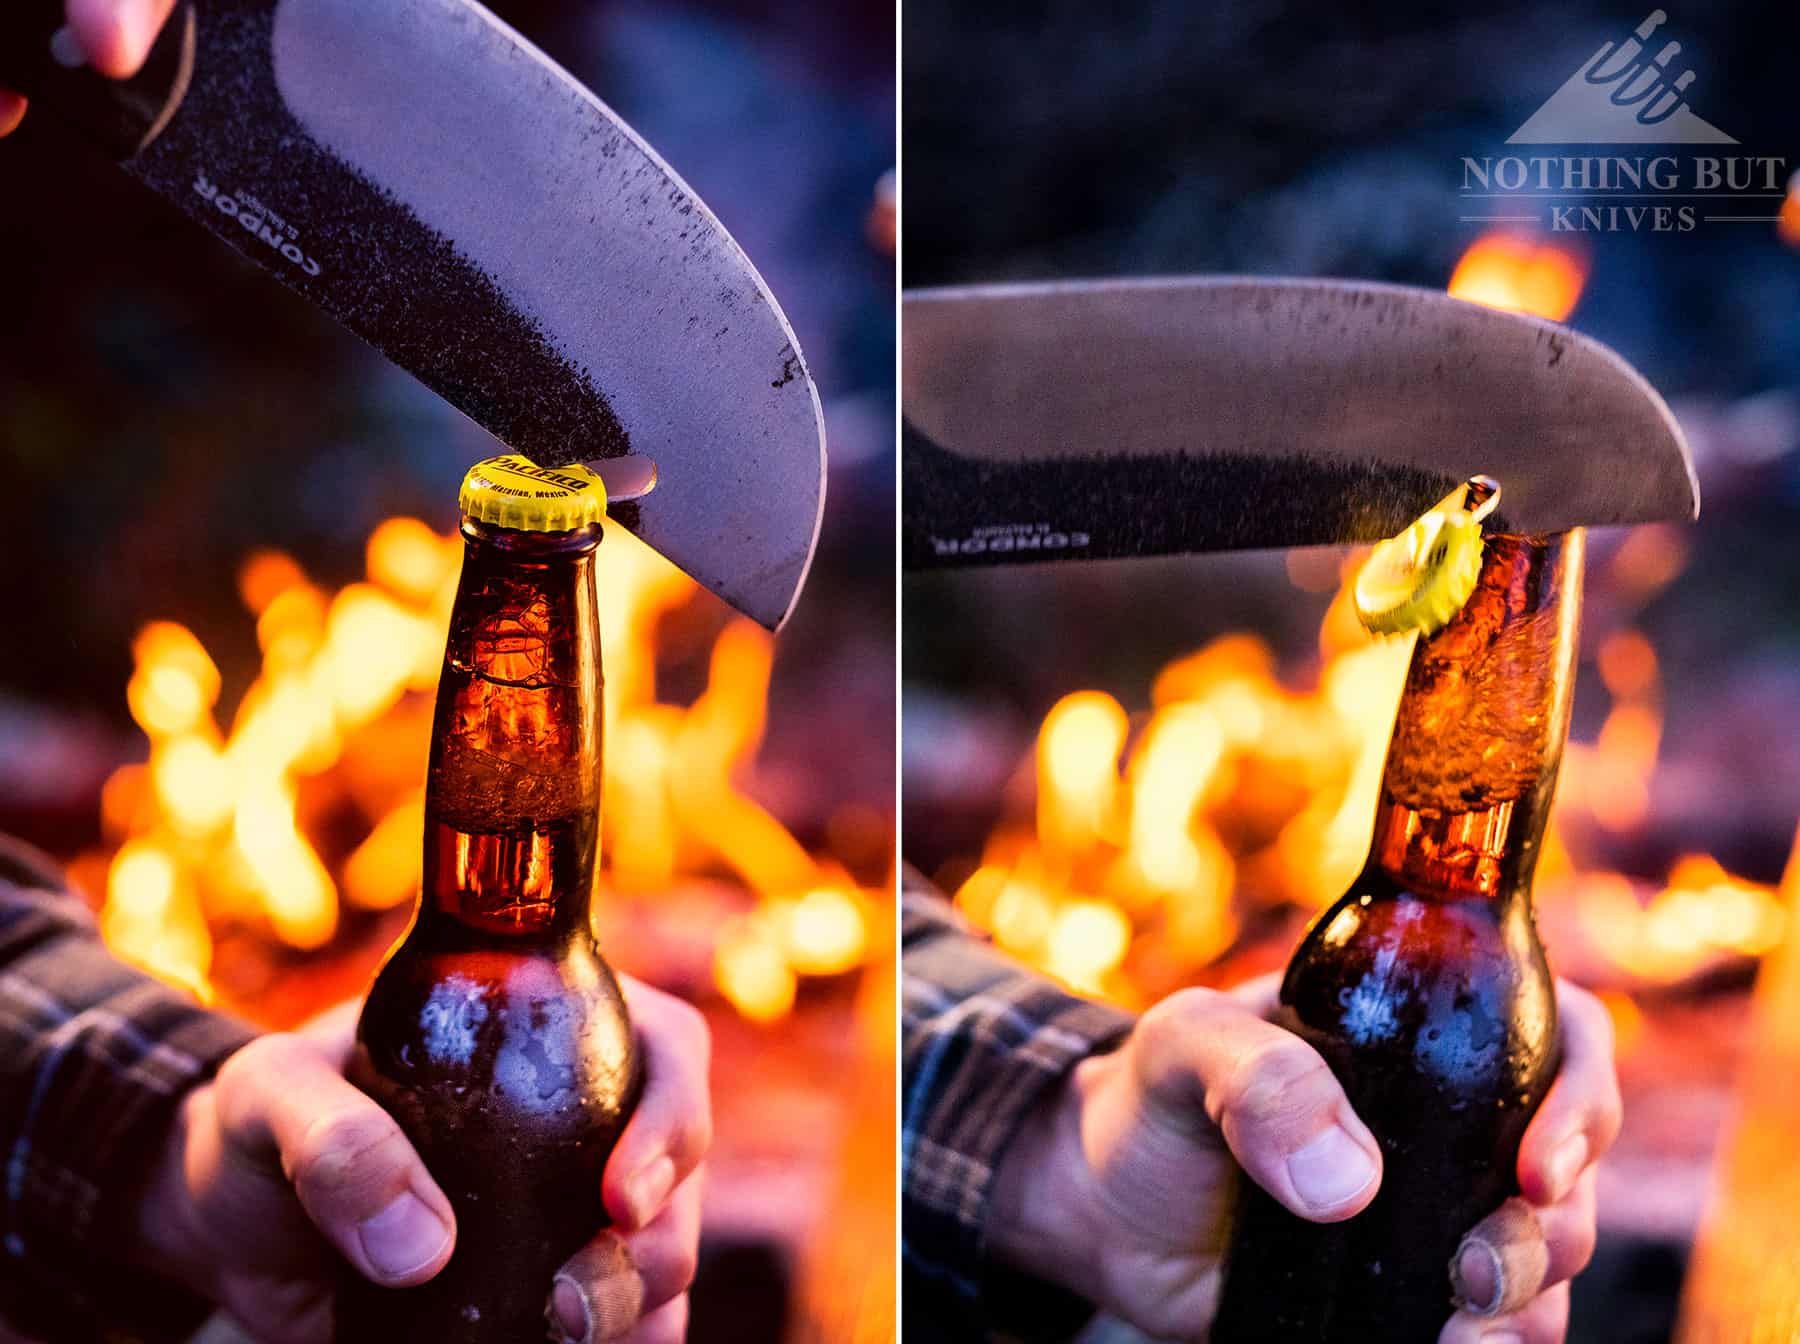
1421 578
513 491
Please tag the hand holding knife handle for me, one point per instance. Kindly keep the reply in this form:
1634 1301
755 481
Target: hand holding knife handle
39 58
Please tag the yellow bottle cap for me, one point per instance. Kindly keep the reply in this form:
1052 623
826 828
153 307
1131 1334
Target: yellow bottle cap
1421 578
513 491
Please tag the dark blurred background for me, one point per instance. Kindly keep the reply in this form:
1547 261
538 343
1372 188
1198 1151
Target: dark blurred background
1056 140
167 410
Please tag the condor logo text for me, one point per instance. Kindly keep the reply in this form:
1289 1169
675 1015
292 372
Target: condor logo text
257 220
1011 538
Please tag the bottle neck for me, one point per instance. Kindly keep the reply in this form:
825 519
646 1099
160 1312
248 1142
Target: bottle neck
1471 767
512 794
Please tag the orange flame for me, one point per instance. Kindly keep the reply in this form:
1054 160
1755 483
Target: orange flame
1787 223
1521 274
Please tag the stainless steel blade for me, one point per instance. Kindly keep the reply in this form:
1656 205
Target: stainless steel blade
1146 417
450 194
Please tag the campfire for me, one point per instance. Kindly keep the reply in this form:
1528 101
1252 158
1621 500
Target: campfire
257 830
1159 839
1185 843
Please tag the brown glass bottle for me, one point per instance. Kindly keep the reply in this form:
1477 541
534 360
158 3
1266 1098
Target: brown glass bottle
1425 986
495 1032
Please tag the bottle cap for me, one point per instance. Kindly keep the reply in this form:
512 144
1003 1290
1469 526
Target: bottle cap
1421 578
513 491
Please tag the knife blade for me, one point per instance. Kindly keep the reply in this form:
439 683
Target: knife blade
1105 418
443 189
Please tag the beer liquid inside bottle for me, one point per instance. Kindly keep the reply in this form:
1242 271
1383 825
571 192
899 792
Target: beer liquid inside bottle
1425 986
495 1032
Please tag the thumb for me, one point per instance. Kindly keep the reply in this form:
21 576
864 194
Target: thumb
1281 1111
359 1180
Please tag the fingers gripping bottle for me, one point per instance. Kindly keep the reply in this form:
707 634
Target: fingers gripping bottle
495 1033
1425 986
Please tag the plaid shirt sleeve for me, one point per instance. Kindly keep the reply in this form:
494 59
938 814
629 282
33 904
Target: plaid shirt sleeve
94 1057
984 1040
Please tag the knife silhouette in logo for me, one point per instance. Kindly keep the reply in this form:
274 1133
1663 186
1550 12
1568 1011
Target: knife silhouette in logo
1623 94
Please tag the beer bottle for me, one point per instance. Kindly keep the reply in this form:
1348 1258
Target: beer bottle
1425 986
495 1032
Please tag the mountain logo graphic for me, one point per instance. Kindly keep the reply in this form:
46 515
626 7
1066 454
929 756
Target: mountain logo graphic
1623 95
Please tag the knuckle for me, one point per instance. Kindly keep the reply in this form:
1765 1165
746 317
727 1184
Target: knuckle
1579 1253
1600 1116
690 1024
230 1080
1609 1121
1169 1022
344 1153
1588 1012
1571 1235
242 1079
667 1325
1276 1083
1546 1321
694 1141
1189 1008
1161 1316
274 1051
684 1265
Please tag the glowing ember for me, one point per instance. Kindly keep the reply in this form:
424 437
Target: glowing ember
1521 274
218 829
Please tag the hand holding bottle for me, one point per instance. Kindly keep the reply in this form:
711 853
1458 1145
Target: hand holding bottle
279 1166
1121 1185
114 35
